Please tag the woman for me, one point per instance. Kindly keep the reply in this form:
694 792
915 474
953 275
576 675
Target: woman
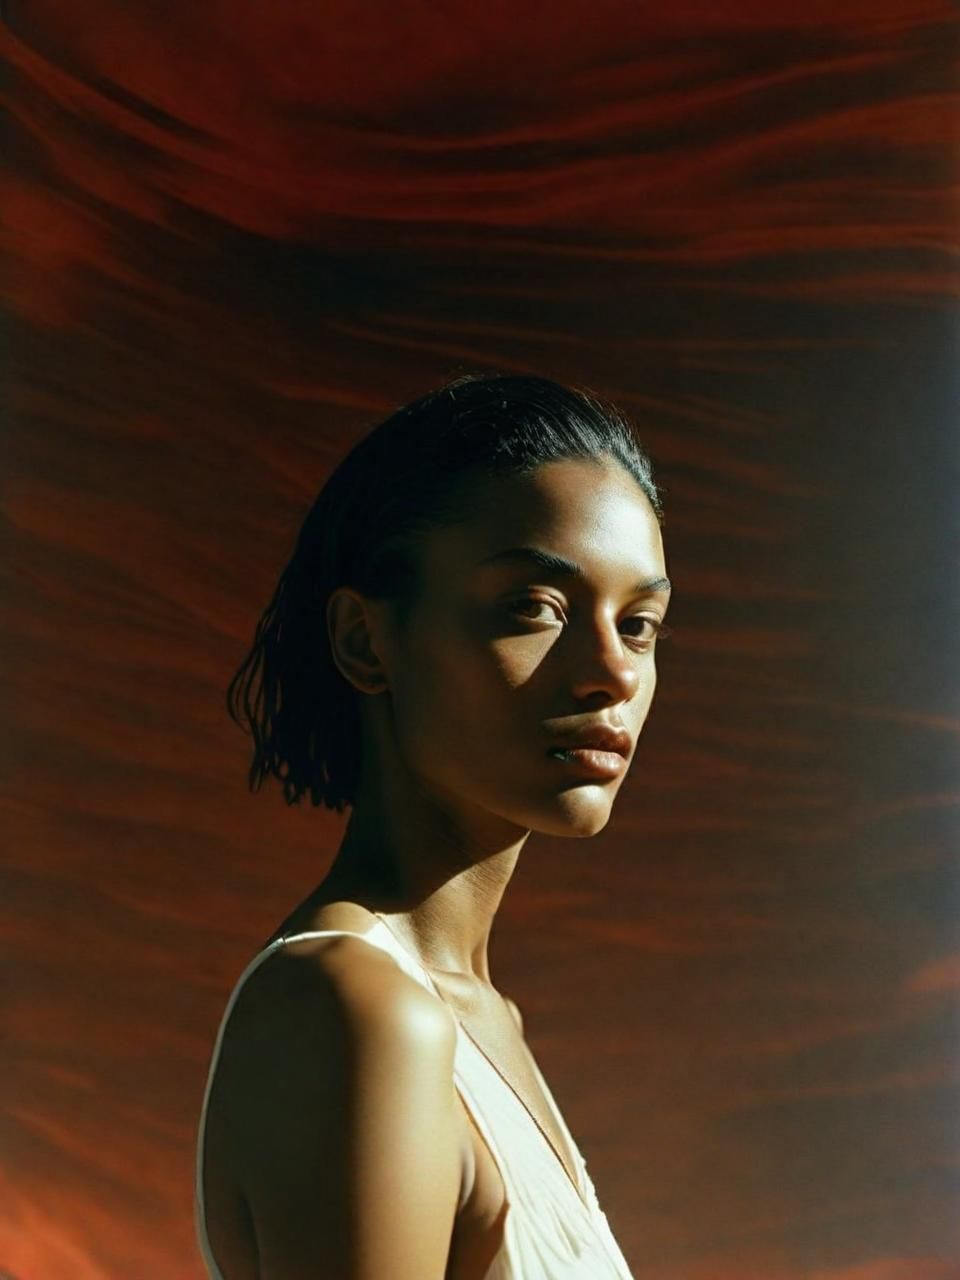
462 649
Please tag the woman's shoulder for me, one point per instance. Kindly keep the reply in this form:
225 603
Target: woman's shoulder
338 982
318 1011
322 1023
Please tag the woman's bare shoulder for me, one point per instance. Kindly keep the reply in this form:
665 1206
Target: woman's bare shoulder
327 1023
312 986
311 1019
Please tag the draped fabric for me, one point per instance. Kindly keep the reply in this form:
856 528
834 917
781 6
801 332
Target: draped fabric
552 1229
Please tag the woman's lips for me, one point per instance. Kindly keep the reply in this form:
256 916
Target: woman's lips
589 760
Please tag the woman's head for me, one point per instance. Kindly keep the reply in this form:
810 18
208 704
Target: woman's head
400 636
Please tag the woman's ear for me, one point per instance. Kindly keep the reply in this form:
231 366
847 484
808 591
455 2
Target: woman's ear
353 632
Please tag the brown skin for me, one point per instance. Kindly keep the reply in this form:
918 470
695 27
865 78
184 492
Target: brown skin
458 707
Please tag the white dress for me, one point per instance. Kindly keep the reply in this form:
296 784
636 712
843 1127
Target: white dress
553 1230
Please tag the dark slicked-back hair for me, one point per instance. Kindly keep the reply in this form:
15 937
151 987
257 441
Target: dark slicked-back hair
407 475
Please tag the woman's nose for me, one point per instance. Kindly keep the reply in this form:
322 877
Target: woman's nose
603 661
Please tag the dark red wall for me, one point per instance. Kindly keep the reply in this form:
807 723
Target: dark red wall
236 235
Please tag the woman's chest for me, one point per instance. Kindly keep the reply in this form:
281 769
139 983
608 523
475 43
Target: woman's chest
511 1171
497 1046
480 1225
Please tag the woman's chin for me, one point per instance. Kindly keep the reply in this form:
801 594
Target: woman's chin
576 815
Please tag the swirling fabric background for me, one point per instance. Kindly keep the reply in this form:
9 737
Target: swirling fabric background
235 237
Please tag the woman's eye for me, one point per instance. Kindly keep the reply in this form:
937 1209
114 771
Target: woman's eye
658 629
533 603
529 608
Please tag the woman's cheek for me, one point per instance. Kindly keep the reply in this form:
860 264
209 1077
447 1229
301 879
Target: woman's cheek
517 657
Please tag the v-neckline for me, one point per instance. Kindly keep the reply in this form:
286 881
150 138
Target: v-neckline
575 1183
578 1184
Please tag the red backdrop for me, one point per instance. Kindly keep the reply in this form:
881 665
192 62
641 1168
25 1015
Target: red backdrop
238 234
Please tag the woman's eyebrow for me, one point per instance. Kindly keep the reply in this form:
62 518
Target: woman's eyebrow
560 566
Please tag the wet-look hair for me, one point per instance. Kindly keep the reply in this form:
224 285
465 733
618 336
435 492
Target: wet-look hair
415 471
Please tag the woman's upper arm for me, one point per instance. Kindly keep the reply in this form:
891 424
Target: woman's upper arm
348 1136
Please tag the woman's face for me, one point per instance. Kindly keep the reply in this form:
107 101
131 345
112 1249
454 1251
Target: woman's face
502 657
